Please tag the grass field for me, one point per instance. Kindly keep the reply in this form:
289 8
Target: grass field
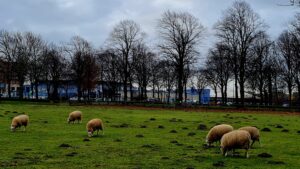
139 138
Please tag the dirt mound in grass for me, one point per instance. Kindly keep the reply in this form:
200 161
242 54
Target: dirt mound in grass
65 145
139 136
184 128
276 162
72 154
161 127
202 127
165 158
219 164
264 155
123 125
117 140
278 126
191 134
266 129
173 131
153 147
174 141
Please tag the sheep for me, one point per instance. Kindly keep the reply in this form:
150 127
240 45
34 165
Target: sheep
237 139
216 133
19 121
254 133
94 125
75 115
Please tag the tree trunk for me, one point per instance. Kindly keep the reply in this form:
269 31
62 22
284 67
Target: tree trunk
185 92
36 85
55 91
153 90
131 91
125 89
225 93
79 92
200 93
21 89
9 90
270 100
216 94
236 88
179 82
290 94
169 93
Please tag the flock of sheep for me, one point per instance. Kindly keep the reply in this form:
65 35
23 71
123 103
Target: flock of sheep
233 139
229 138
92 126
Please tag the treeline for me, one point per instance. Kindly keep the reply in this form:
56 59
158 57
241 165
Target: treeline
244 55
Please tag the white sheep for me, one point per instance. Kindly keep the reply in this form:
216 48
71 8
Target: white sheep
216 133
73 116
19 121
94 125
254 133
237 139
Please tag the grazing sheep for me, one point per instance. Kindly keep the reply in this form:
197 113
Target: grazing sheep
254 133
19 121
237 139
216 133
94 125
75 115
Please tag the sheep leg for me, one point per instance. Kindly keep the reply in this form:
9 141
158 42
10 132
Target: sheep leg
252 143
97 132
246 153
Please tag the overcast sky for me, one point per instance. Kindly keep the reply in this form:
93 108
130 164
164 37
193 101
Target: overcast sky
59 20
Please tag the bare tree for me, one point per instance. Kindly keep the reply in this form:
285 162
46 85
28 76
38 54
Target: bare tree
9 49
258 64
21 62
34 46
91 73
218 63
212 81
295 30
239 27
180 34
201 82
80 50
155 76
109 73
142 62
55 67
167 74
285 44
123 38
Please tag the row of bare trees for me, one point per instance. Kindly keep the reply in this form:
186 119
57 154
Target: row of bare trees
243 54
27 57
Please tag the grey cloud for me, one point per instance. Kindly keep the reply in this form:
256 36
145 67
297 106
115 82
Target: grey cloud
59 20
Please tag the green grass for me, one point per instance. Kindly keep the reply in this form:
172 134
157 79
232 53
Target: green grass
38 146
